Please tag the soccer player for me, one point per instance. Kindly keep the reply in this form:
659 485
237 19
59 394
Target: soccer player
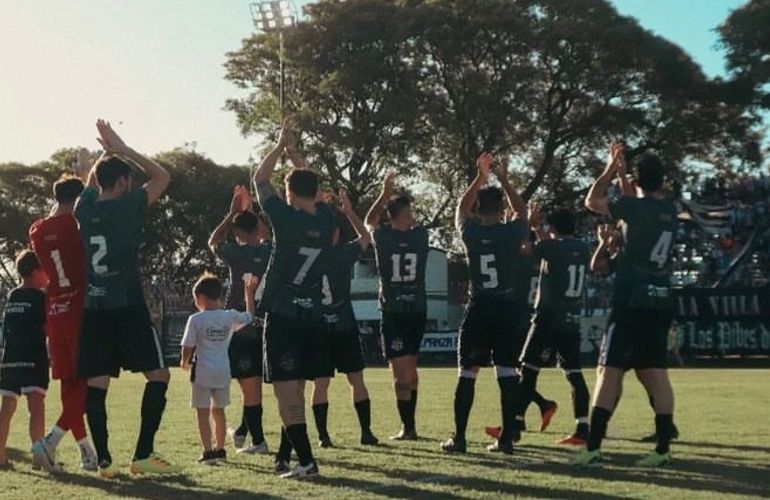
56 241
117 330
247 256
491 321
24 367
401 247
555 326
636 335
207 335
303 229
342 346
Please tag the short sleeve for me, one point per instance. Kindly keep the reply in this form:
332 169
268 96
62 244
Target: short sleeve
380 233
190 333
227 251
467 228
621 208
87 198
518 228
136 201
542 249
239 318
352 251
277 209
422 234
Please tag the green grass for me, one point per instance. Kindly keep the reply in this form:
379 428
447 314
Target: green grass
723 453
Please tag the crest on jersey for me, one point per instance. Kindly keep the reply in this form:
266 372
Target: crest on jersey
545 354
287 362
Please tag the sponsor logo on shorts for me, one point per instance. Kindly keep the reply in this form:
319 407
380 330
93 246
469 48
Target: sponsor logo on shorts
287 362
397 344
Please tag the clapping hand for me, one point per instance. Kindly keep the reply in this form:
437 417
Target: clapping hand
109 139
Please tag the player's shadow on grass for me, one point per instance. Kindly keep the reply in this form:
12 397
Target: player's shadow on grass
693 475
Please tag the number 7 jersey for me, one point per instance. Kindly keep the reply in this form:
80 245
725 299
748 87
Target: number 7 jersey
401 260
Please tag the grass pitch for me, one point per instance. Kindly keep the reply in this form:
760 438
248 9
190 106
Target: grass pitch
722 454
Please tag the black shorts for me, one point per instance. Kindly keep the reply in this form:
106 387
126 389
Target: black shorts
115 339
245 352
490 331
340 350
402 333
291 348
545 341
636 338
16 379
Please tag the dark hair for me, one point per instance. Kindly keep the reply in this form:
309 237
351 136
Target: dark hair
26 263
563 221
650 172
209 286
109 170
246 222
303 183
398 205
490 201
67 188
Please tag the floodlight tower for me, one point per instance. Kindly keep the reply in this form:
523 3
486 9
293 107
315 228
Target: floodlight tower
274 16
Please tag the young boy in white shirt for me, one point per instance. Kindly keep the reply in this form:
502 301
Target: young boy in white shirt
204 352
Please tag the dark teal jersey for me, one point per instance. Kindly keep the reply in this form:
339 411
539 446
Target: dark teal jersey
528 274
111 231
24 329
242 260
300 246
648 229
563 267
336 285
493 258
401 260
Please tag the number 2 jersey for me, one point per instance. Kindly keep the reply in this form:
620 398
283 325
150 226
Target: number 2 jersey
494 261
111 233
648 229
563 267
57 244
401 261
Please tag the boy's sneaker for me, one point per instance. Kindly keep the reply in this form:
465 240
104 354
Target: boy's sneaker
325 442
655 459
587 459
208 458
107 469
498 446
302 472
238 439
44 456
454 444
369 439
154 464
255 449
89 463
220 456
281 466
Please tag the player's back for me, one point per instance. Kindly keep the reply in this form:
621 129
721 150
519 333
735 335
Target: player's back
336 284
562 277
493 259
243 260
57 244
401 261
23 327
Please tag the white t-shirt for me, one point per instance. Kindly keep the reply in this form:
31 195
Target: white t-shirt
209 332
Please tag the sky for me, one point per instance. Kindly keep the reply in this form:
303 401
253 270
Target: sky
154 69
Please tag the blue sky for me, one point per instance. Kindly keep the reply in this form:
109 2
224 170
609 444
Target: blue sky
154 69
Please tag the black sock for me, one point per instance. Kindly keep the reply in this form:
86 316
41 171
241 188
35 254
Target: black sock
539 400
153 404
413 410
509 394
284 449
301 443
364 412
599 419
466 390
96 414
403 412
664 428
321 416
580 396
253 417
242 429
527 383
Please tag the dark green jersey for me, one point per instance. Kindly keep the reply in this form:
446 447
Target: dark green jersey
649 227
528 274
111 232
493 258
242 260
24 329
336 285
563 267
401 260
300 246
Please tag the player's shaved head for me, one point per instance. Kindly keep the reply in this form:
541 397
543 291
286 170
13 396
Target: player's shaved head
563 221
650 172
398 205
110 170
67 188
490 201
302 183
246 222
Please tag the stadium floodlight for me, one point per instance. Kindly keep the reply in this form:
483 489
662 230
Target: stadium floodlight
274 16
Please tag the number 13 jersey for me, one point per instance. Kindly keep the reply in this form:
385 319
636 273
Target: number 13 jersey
401 260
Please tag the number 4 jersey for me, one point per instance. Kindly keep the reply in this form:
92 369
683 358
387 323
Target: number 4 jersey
401 260
111 232
648 229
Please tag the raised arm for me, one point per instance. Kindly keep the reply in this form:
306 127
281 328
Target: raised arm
514 200
113 144
292 152
596 199
625 186
84 168
600 260
469 197
250 286
364 237
373 216
262 176
240 203
533 226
